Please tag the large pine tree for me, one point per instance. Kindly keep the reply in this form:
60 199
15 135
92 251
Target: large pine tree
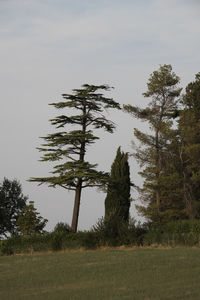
180 181
69 148
117 202
153 152
189 134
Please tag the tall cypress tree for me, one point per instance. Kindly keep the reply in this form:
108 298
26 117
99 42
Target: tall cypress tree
69 147
117 202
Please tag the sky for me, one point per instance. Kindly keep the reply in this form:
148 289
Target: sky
49 47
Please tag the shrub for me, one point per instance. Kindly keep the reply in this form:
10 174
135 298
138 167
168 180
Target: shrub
6 249
89 240
182 232
56 241
62 227
114 232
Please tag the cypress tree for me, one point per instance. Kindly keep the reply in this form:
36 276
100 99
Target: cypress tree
117 202
69 147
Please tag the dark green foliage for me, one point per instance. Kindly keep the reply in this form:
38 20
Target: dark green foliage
155 155
27 244
90 240
117 202
29 222
6 249
180 233
180 179
189 136
69 147
170 157
102 234
56 241
12 201
62 227
115 232
183 232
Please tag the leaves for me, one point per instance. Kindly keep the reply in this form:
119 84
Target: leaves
29 222
12 201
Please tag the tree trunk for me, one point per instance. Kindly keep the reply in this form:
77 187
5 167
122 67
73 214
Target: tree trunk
187 193
158 168
79 184
76 207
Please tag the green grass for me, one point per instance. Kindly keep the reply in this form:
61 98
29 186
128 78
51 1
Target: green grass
147 274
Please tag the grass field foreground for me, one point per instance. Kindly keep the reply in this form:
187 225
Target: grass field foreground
147 274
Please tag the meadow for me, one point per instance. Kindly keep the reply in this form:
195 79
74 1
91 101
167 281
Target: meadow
140 273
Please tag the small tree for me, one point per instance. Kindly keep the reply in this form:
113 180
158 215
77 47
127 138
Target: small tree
117 202
29 222
69 147
12 201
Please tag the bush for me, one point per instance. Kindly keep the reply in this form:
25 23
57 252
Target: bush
89 240
56 241
62 227
114 232
27 244
6 249
183 232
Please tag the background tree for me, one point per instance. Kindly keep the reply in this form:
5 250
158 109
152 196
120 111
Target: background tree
69 147
153 154
180 181
12 201
117 202
189 131
29 222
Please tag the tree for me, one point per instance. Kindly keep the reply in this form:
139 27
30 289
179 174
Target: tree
12 201
117 202
69 147
29 222
179 184
189 135
153 153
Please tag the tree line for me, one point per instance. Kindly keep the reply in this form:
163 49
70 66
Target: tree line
168 154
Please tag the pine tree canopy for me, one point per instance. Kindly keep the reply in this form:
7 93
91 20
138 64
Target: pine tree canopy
154 154
84 110
189 136
71 146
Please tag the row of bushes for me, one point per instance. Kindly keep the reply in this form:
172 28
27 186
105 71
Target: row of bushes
182 233
112 233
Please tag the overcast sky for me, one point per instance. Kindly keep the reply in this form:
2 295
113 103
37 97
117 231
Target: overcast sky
49 47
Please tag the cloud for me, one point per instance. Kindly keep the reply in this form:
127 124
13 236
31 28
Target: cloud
91 29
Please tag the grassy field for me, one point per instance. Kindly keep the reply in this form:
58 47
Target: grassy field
148 274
